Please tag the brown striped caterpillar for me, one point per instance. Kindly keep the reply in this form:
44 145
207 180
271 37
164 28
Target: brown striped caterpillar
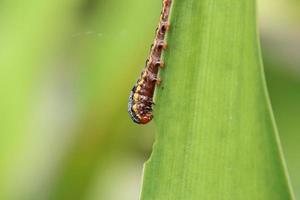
141 96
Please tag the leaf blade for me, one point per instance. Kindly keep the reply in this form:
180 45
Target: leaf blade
216 137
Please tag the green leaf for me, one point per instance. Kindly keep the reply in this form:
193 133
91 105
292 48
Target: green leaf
216 135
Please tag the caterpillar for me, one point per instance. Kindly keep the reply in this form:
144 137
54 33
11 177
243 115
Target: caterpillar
140 105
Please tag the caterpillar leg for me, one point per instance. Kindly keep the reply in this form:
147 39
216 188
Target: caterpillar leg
162 44
160 63
151 76
158 81
165 25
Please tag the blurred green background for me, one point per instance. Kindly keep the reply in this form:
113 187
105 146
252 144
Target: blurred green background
66 71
